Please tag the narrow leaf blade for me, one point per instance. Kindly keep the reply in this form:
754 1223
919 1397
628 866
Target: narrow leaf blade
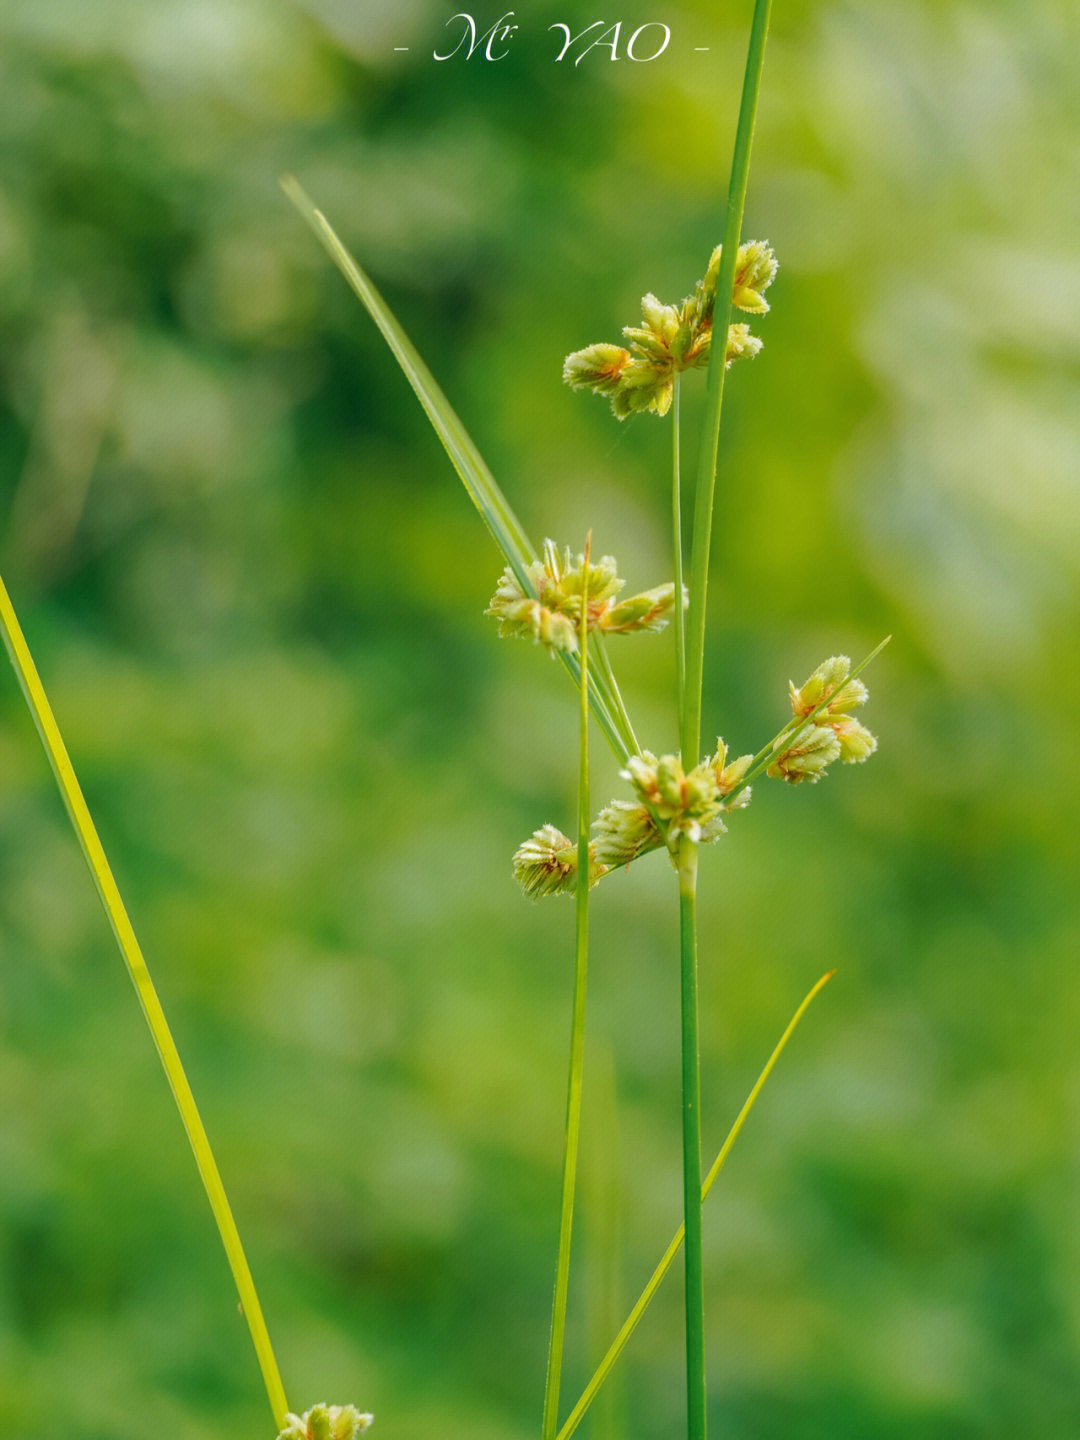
495 510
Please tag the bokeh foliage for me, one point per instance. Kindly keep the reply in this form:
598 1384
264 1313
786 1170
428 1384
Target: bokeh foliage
254 589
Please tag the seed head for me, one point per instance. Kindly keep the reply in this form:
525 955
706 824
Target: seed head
828 680
805 755
546 864
830 683
673 338
326 1422
624 830
689 804
563 583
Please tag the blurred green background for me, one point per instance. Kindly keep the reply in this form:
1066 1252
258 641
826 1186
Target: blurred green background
253 586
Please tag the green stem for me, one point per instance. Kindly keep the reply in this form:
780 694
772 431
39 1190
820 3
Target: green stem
605 699
690 726
690 729
102 875
691 1132
577 1043
676 547
645 1298
609 689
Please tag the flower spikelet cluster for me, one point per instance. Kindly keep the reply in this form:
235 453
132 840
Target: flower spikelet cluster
674 338
806 755
755 270
326 1422
624 830
671 802
564 583
729 777
546 864
686 804
650 610
683 804
831 733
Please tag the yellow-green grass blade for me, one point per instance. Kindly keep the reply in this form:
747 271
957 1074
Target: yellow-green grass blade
644 1300
101 873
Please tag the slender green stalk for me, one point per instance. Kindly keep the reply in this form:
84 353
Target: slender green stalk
102 875
601 671
645 1299
691 1132
690 725
577 1040
690 730
602 1210
676 548
606 701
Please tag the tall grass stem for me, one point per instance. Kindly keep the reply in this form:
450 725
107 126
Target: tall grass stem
704 493
550 1418
691 1134
679 620
690 722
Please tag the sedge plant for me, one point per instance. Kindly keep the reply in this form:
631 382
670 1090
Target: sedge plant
678 800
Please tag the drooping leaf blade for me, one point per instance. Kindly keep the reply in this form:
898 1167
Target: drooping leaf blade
494 508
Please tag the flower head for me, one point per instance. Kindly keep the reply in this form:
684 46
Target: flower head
755 270
624 830
597 367
805 755
546 863
730 776
563 583
326 1422
830 683
856 742
672 803
673 338
687 804
648 611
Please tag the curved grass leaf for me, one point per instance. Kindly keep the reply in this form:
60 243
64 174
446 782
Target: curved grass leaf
495 510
